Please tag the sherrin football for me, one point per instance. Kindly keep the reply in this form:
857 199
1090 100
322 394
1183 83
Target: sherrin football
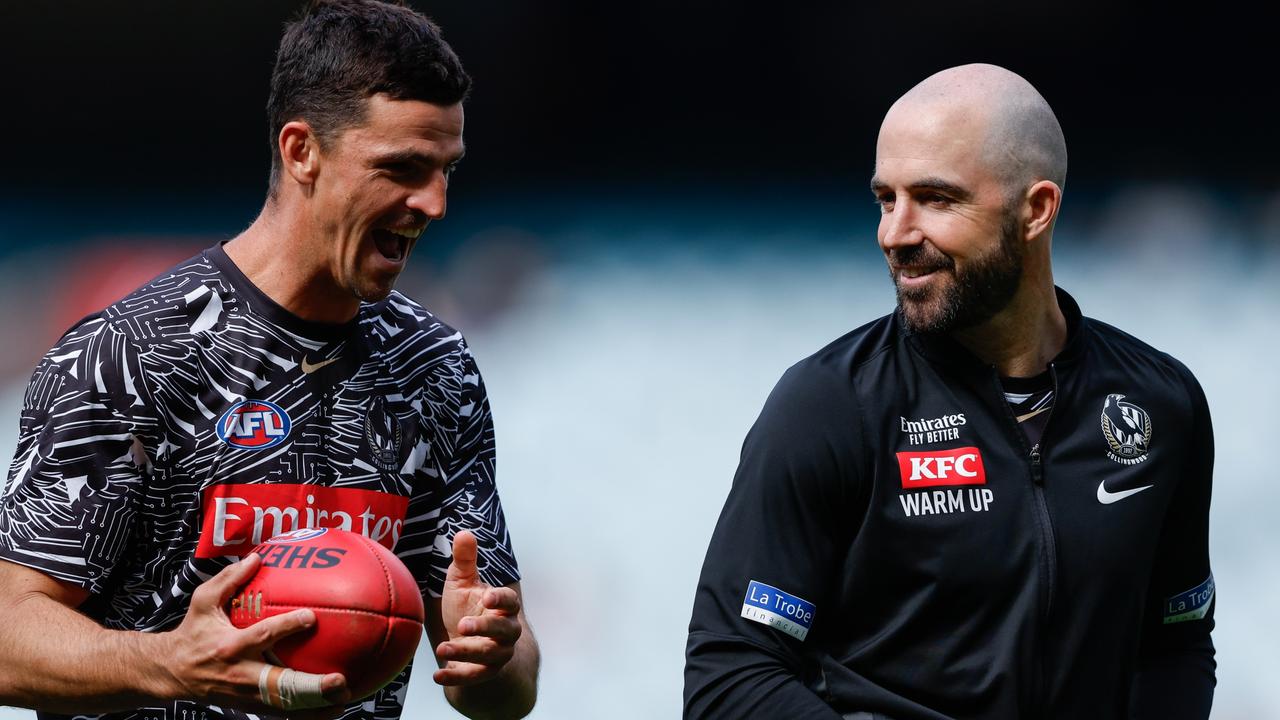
368 608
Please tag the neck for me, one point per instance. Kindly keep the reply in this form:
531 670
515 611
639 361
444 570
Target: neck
1022 339
278 256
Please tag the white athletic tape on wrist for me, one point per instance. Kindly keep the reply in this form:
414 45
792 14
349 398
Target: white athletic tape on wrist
294 690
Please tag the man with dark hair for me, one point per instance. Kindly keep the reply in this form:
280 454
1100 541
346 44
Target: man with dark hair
271 383
343 52
984 505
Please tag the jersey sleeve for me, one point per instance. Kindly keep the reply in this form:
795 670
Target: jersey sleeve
474 465
771 564
1176 667
81 460
468 497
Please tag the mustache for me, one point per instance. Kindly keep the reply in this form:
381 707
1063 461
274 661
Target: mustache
412 218
923 256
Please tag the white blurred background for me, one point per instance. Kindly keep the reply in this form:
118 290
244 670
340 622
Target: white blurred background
624 374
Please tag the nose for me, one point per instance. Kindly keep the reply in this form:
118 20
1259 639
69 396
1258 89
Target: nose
899 227
429 198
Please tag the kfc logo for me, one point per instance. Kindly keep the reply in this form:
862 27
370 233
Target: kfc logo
237 518
253 425
959 466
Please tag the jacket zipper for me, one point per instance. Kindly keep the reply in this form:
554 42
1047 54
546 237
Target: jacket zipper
1036 466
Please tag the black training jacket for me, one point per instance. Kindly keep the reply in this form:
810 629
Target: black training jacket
892 548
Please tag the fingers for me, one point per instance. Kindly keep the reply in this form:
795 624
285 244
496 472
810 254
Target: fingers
217 590
502 600
334 687
483 622
483 650
262 635
503 628
288 689
215 661
458 673
488 643
465 551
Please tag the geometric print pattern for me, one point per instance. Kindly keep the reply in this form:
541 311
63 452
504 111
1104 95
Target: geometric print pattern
119 443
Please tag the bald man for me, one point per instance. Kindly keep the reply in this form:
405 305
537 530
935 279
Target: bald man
983 505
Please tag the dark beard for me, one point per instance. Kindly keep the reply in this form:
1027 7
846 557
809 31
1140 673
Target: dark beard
975 294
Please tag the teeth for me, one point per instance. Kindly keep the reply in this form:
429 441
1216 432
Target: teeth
411 233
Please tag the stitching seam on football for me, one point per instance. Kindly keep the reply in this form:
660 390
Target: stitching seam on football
391 595
357 611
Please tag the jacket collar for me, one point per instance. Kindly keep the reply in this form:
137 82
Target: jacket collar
941 348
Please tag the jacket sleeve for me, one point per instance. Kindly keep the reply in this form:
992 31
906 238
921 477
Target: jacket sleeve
1175 677
778 539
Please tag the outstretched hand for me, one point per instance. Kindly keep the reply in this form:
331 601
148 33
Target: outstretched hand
482 621
212 660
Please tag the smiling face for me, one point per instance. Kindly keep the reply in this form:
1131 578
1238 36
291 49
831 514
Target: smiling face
377 186
951 238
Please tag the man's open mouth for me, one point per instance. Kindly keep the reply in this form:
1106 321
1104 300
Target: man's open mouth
393 243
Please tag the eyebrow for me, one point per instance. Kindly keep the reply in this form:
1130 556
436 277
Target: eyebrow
927 183
413 157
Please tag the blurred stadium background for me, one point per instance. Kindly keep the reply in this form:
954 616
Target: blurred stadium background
662 207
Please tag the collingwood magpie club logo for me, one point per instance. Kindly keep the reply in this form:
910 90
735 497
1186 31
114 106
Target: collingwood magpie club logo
1127 429
382 432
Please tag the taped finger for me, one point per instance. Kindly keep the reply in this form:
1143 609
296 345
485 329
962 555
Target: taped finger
289 689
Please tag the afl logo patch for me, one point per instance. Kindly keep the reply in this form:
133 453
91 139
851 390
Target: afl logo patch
1127 429
253 425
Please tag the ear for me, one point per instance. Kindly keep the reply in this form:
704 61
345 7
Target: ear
1041 208
299 152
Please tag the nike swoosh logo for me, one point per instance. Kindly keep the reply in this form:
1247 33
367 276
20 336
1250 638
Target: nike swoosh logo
308 368
1030 415
1106 498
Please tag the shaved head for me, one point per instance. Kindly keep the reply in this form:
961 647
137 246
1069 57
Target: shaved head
1018 135
970 166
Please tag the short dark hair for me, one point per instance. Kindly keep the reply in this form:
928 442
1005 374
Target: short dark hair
338 53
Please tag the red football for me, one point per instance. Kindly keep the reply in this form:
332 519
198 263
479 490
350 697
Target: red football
368 608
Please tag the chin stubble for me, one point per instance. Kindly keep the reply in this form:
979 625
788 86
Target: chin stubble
974 295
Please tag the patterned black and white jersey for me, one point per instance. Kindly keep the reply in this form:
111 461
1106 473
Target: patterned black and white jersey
170 433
